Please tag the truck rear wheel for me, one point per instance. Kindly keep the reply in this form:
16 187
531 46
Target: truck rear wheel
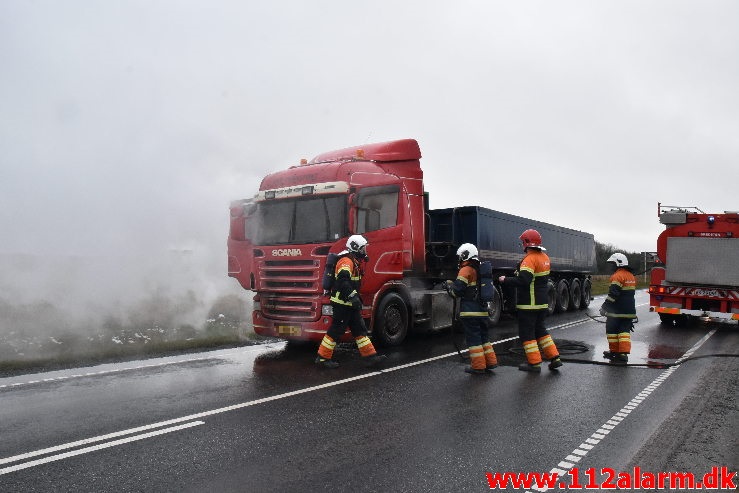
575 294
563 296
552 296
585 293
391 321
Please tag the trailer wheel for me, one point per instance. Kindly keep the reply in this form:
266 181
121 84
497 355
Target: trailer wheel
586 293
391 321
563 296
495 307
552 297
575 294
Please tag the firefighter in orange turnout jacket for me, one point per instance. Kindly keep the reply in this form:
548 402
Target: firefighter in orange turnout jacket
347 306
472 313
532 303
619 309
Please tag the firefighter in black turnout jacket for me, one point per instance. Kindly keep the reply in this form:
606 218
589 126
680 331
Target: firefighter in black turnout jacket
347 306
532 302
619 308
472 313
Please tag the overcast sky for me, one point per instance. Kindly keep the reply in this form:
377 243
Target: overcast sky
126 127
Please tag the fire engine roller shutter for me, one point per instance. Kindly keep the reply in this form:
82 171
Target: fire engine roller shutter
710 261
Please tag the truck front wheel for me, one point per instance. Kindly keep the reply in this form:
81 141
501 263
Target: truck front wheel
391 321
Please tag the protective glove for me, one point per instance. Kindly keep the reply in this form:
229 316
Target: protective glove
602 310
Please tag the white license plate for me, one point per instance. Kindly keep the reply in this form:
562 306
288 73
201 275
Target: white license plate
288 330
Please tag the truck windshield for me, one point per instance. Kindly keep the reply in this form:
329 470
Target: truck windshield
301 220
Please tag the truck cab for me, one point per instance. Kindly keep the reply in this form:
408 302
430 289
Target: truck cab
279 239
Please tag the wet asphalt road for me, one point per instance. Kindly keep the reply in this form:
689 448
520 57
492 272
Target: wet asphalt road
265 419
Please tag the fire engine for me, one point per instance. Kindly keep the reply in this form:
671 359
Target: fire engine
696 272
280 238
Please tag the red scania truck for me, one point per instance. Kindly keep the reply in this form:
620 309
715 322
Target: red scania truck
696 272
280 238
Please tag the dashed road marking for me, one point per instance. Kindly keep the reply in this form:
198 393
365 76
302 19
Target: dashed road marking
584 448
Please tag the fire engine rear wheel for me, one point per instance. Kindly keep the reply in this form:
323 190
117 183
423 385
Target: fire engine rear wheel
552 295
495 307
585 294
575 294
563 297
391 321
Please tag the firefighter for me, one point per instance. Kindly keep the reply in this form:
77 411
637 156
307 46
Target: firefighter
532 302
347 306
619 308
472 313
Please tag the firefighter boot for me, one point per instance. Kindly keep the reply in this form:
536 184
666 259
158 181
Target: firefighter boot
477 361
374 361
491 360
529 367
555 363
621 357
612 346
326 363
533 357
624 345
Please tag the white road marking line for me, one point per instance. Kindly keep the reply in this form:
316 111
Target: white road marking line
212 412
614 420
188 360
72 453
220 410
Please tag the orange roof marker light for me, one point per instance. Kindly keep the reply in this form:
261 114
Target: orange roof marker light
360 153
303 162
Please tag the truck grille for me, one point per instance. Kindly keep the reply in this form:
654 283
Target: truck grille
281 307
291 288
290 275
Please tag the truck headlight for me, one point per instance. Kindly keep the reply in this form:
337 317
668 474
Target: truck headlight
257 306
327 310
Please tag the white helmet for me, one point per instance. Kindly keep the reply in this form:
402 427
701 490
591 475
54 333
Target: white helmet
466 252
619 259
357 244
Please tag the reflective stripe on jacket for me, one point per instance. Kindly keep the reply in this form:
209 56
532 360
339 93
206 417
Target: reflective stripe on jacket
620 302
348 277
531 281
465 287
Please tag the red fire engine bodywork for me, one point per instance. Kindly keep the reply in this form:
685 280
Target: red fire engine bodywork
696 273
